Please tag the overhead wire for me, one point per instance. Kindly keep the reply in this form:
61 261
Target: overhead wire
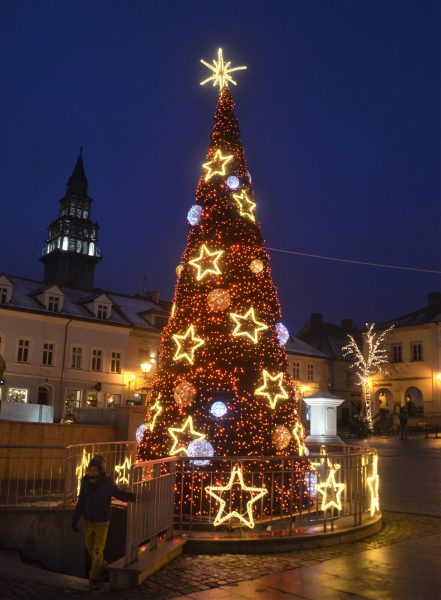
352 261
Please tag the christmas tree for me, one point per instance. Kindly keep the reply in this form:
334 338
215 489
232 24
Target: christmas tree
222 387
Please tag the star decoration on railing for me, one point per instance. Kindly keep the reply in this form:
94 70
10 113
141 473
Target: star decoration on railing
332 498
81 469
221 71
217 165
245 515
123 471
186 433
373 483
247 325
187 344
206 262
272 388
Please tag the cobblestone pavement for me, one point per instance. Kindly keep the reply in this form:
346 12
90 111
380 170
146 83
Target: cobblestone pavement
192 573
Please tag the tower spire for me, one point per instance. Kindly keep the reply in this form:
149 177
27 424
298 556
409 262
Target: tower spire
71 252
77 182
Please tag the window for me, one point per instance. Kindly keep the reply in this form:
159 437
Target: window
23 351
48 354
97 359
4 295
72 401
102 311
115 364
397 353
113 399
53 303
310 373
75 362
296 370
17 395
417 351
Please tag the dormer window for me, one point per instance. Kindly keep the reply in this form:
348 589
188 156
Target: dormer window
4 294
102 311
53 303
52 299
5 290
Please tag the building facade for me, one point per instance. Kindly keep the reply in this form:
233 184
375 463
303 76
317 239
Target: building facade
329 339
68 348
413 377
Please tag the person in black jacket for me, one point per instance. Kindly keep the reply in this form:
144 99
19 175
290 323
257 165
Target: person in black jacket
94 505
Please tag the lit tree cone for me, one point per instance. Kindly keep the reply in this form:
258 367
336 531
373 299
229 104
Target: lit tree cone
230 352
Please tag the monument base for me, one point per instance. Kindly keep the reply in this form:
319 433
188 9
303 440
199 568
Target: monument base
324 439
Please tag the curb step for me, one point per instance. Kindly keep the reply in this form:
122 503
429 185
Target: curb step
148 563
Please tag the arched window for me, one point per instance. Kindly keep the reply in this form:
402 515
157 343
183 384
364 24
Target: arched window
44 395
414 401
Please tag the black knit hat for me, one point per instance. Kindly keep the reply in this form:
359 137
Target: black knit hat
98 461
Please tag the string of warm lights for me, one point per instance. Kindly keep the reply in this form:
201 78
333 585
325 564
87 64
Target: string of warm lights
368 360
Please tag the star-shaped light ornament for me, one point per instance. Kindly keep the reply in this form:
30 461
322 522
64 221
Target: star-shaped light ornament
246 205
373 482
187 344
217 165
123 471
247 325
206 262
332 498
299 434
244 514
221 71
153 412
272 388
81 469
186 434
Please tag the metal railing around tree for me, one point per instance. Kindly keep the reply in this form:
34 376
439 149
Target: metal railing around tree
48 476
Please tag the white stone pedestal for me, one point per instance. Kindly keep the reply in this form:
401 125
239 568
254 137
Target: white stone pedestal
323 418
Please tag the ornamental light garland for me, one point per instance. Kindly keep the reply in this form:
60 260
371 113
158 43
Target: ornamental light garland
368 359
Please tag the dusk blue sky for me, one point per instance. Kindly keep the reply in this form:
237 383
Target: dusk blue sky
340 118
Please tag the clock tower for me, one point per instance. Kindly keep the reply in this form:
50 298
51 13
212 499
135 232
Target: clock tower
71 252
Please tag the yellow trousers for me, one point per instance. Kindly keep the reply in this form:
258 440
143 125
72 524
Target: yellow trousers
95 540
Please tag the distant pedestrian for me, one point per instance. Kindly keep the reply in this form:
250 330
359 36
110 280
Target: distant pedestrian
94 504
403 416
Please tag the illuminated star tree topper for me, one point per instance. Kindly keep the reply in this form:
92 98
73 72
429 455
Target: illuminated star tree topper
221 71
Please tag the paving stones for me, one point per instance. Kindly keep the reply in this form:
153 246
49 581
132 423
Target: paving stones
194 573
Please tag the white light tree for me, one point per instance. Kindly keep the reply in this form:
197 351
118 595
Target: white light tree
368 360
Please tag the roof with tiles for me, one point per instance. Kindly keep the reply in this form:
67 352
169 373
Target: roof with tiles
431 313
126 310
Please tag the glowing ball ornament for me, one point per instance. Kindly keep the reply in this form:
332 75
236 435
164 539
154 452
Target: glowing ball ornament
233 182
179 269
281 437
194 214
200 448
140 433
218 299
282 333
256 266
218 409
184 393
